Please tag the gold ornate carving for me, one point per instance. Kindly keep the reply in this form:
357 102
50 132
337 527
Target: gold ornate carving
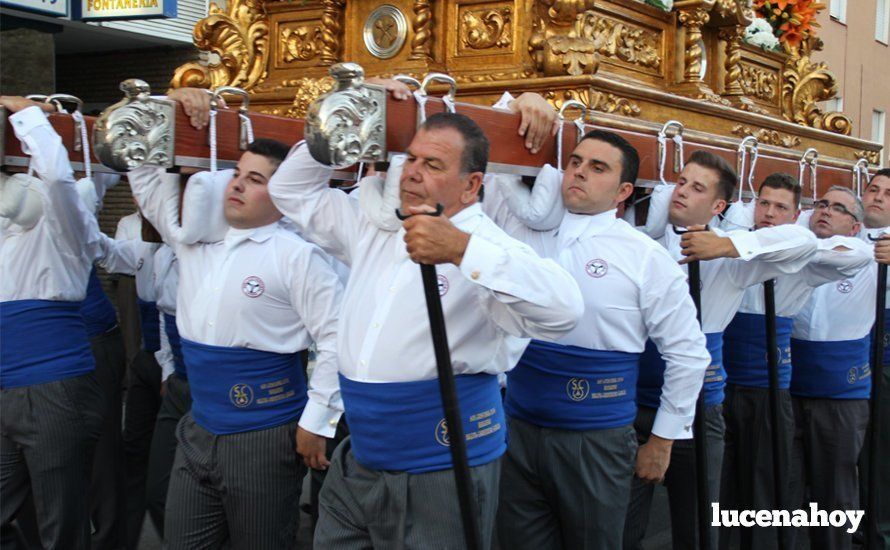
300 43
239 37
873 157
764 135
733 70
332 29
307 91
491 77
596 101
552 18
760 83
422 25
805 84
483 29
619 40
693 20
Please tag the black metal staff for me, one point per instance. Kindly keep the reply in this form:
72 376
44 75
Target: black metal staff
769 298
448 390
699 430
877 377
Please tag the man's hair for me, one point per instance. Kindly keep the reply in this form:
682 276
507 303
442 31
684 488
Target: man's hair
781 180
858 211
885 172
474 157
727 178
630 159
272 149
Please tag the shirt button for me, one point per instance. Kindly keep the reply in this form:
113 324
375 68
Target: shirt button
376 325
475 275
210 323
332 422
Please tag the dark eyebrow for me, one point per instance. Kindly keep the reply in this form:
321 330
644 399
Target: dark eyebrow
594 161
428 159
255 173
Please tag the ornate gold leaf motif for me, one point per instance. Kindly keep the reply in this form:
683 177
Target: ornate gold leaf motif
764 135
759 83
873 157
307 91
483 29
597 101
240 39
805 84
618 40
300 43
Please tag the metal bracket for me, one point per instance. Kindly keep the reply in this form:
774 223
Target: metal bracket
348 124
136 130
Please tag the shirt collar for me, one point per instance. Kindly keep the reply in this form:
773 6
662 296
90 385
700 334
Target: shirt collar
260 234
584 226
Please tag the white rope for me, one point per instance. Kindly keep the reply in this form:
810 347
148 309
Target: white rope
860 172
421 106
800 175
248 126
678 140
662 159
449 104
755 153
813 172
87 164
743 152
361 169
559 133
212 131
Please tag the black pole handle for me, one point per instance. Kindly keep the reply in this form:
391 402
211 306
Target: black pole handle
874 428
778 429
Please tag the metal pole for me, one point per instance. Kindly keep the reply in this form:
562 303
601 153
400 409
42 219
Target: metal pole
448 390
877 377
700 431
772 354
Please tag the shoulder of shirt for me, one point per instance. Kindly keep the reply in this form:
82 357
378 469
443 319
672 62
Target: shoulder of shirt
293 242
491 231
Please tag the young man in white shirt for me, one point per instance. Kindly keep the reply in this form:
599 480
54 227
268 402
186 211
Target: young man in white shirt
390 484
247 306
740 259
570 402
52 404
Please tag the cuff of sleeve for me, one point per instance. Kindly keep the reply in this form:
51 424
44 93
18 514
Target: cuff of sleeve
672 426
745 243
481 260
27 119
319 419
166 370
503 103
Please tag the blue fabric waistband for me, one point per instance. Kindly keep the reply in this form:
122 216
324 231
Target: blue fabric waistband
42 341
833 370
400 426
652 374
175 345
96 309
239 390
744 351
573 388
150 321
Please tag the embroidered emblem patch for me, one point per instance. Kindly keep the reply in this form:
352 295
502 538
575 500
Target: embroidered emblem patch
578 389
597 268
845 286
443 285
241 395
442 434
253 287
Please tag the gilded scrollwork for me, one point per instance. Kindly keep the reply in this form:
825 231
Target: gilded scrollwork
301 43
595 100
873 157
805 84
488 28
767 136
619 40
307 90
758 82
239 38
422 25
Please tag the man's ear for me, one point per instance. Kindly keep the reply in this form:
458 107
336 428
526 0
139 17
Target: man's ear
719 206
471 189
625 189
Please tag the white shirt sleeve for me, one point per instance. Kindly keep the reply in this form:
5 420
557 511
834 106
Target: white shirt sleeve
316 293
164 356
119 256
769 252
73 227
157 194
657 216
527 296
671 322
829 265
326 217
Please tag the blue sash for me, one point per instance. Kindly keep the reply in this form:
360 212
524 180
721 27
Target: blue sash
652 374
175 346
833 370
744 351
42 341
96 308
240 390
151 325
573 388
400 426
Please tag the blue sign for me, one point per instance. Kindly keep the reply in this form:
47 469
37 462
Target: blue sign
57 8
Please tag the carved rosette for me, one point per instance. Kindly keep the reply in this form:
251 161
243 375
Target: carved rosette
484 29
805 84
239 37
136 130
422 25
693 20
331 30
300 43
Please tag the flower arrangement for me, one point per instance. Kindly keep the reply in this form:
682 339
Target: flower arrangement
666 5
760 33
792 21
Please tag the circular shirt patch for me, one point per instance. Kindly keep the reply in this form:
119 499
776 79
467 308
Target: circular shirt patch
241 395
597 268
442 434
253 287
845 286
852 376
139 264
578 389
443 285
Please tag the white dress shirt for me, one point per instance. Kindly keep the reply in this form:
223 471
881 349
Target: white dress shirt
166 282
53 259
501 295
633 290
262 288
129 228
